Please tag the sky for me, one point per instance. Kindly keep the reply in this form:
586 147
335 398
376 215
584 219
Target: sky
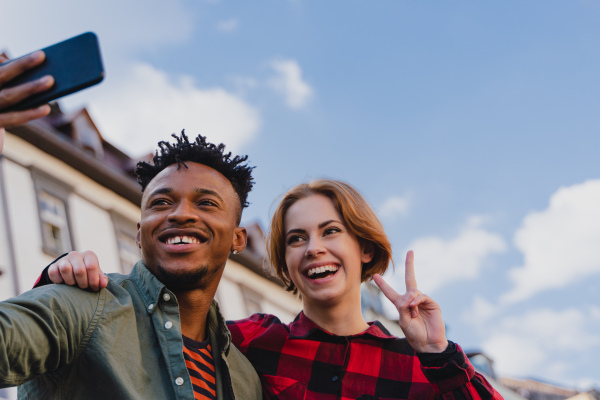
470 127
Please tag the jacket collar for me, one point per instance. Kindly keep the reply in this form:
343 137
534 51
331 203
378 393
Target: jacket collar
150 290
304 327
147 285
216 324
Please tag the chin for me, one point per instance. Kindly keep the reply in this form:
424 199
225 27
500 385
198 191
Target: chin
184 279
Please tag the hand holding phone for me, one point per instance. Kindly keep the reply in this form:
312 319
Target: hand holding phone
29 82
13 95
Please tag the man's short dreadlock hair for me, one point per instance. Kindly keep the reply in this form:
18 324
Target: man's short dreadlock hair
201 152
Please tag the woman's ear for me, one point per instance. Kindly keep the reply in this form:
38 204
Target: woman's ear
367 252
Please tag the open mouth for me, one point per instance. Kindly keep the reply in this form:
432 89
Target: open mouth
182 240
322 271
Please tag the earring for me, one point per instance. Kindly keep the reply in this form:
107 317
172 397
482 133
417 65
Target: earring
234 251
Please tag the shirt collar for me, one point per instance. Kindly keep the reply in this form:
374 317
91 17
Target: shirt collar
304 327
147 285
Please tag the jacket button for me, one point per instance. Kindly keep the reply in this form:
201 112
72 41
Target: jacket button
179 381
150 307
166 297
168 325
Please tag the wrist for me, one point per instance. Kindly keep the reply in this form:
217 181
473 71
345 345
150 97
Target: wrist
439 347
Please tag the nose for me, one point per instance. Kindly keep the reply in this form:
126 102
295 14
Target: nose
315 248
183 213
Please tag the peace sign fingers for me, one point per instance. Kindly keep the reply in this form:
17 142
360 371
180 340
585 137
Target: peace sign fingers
409 272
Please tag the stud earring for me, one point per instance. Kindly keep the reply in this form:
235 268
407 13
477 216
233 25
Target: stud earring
234 251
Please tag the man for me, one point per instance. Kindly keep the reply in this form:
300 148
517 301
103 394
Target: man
155 333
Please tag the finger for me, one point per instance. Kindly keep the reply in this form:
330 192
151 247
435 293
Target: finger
20 65
409 272
103 281
16 118
80 272
92 268
54 274
15 94
65 270
386 289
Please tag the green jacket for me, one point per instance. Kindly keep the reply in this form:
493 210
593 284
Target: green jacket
123 342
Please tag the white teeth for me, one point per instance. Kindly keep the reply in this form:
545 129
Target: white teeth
182 240
320 270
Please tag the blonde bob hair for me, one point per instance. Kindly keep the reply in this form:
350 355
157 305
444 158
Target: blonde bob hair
356 214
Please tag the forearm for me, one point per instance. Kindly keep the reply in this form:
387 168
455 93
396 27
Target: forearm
453 376
40 334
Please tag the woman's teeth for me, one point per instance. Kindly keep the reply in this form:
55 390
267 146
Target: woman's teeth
182 240
321 270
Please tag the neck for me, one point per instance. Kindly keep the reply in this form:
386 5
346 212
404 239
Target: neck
193 309
342 318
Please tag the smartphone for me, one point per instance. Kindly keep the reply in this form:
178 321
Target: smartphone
74 63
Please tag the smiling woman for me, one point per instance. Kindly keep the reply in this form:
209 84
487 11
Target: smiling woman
324 241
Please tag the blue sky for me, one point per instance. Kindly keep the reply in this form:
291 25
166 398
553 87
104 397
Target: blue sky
472 127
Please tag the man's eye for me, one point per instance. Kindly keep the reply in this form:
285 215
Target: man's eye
159 202
207 203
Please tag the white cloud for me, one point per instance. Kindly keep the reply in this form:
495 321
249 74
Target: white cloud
537 340
289 83
439 261
147 106
561 244
480 312
394 207
228 25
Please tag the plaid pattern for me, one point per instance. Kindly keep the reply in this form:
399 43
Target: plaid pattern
302 361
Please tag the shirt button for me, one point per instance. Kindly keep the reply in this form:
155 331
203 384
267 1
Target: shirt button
179 381
168 325
335 378
150 307
166 297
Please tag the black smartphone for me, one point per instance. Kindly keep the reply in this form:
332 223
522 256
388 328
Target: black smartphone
74 63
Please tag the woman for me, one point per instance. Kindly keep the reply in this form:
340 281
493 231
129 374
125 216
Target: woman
324 241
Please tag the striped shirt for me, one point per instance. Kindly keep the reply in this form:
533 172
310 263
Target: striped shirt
201 366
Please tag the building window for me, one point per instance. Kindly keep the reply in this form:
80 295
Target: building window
125 232
53 216
52 198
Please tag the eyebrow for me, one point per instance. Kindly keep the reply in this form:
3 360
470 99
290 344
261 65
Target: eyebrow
168 190
320 226
208 192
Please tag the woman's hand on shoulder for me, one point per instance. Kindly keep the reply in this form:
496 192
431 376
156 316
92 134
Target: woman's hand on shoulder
420 317
79 269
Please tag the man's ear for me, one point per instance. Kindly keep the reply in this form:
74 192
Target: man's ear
367 252
240 239
137 236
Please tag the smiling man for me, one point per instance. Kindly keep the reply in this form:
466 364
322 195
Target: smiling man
155 333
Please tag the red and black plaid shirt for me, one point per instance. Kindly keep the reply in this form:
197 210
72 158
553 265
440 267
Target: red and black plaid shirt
302 361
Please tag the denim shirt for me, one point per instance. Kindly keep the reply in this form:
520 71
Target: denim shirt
123 342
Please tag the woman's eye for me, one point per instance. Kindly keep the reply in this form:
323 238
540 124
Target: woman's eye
293 239
330 231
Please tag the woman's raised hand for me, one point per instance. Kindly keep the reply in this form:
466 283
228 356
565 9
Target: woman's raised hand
81 269
420 317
